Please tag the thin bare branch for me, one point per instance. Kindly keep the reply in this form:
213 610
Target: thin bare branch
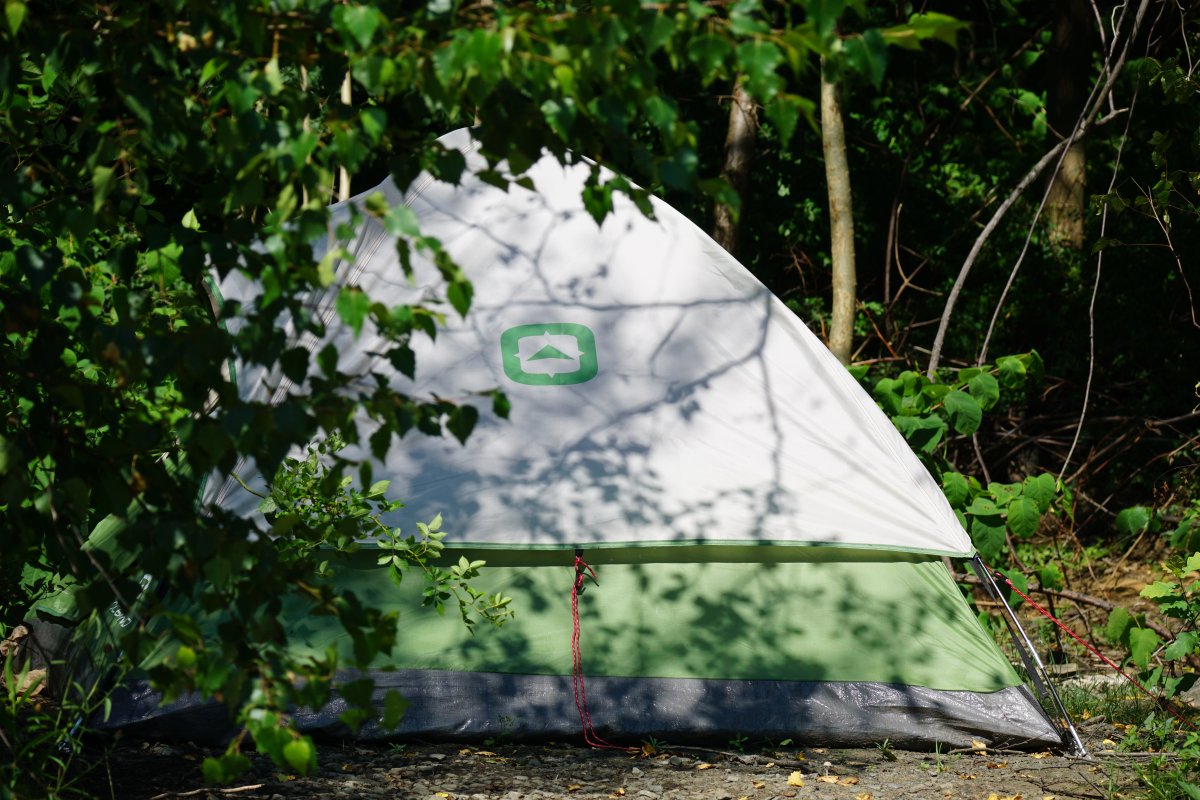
1088 119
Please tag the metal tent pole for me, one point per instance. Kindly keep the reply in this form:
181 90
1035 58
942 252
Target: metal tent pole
1029 655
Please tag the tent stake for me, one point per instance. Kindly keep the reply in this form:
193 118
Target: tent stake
1029 655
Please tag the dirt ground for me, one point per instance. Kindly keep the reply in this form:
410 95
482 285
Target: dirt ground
146 771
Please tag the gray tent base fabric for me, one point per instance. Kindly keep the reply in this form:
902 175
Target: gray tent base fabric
474 706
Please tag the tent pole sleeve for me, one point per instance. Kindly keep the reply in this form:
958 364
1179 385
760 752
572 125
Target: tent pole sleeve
1029 655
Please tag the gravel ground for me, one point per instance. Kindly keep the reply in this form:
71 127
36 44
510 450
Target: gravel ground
147 771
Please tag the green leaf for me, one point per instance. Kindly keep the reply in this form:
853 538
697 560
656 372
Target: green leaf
1190 789
1132 521
983 506
987 534
225 768
888 393
359 21
1119 623
964 411
783 111
923 434
459 294
985 389
1023 517
394 706
300 755
1183 646
103 181
404 360
353 306
866 54
185 657
14 12
378 488
1193 564
658 32
956 488
1012 372
1004 493
824 15
1042 489
757 61
709 53
1051 576
1018 580
1160 589
922 27
462 421
1142 644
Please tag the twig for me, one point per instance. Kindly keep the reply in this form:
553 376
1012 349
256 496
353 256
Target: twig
1087 121
1166 229
1067 594
194 792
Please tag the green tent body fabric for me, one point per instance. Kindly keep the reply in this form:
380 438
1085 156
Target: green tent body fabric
767 549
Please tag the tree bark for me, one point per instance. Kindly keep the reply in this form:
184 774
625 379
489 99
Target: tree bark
739 152
841 220
1069 59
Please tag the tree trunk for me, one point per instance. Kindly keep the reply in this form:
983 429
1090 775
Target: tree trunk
1069 59
739 152
841 220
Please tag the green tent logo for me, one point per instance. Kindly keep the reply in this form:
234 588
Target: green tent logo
549 354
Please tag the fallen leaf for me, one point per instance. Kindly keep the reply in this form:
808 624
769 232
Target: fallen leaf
1048 797
827 778
966 776
863 796
11 644
789 793
34 683
800 755
648 750
1109 743
1044 754
703 765
796 778
769 765
997 764
758 784
484 753
744 797
1086 714
618 793
446 795
466 751
848 781
978 745
574 787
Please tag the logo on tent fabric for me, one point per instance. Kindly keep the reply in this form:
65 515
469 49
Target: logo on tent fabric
549 354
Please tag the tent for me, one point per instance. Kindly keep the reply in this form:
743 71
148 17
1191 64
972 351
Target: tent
767 550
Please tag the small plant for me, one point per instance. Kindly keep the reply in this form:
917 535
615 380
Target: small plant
39 736
885 750
738 742
506 726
